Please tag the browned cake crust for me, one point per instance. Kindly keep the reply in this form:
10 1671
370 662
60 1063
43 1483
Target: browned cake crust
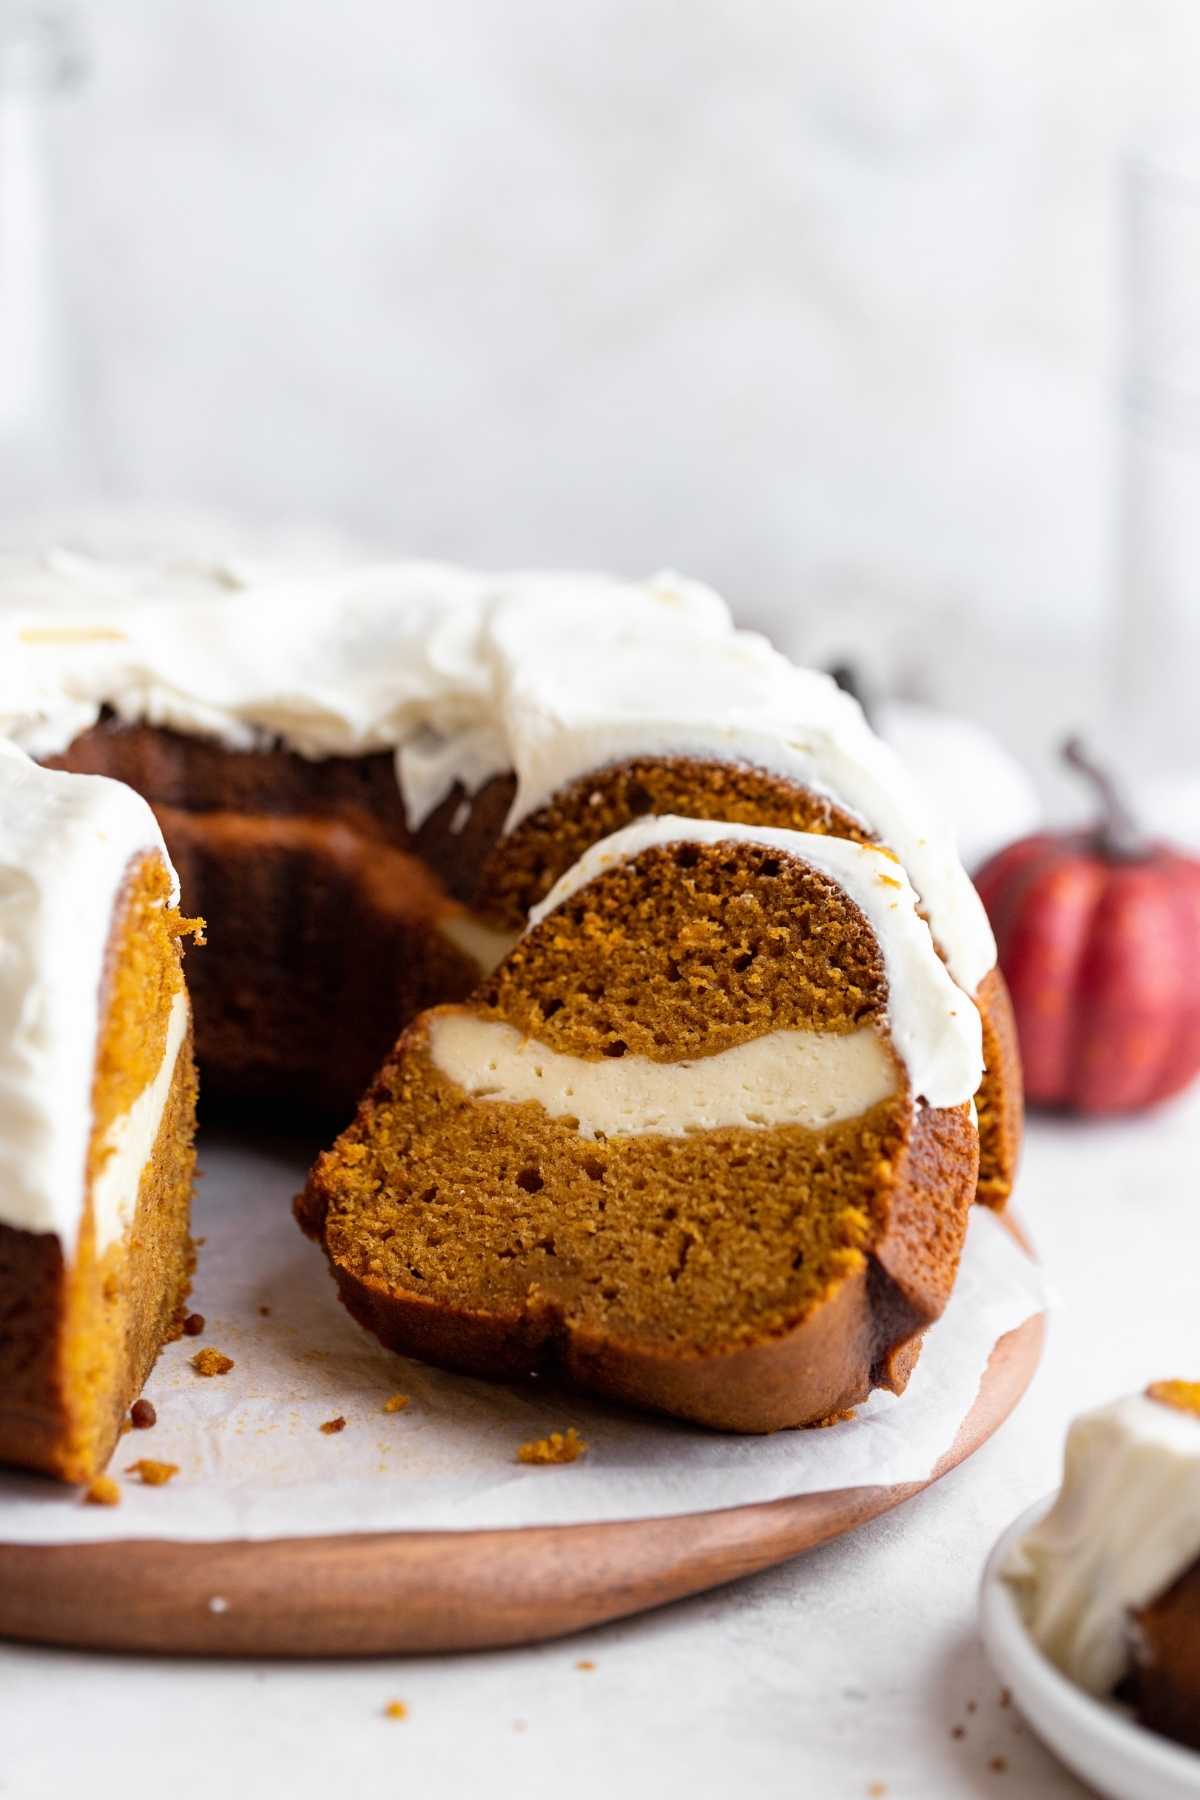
1166 1674
746 1278
321 913
323 907
78 1340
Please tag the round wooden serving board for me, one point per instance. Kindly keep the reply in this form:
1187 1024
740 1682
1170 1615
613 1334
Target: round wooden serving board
383 1593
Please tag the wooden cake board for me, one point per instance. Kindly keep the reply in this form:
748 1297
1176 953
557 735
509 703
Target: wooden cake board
386 1593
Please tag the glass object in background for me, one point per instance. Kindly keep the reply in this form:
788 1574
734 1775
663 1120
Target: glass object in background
43 460
1156 672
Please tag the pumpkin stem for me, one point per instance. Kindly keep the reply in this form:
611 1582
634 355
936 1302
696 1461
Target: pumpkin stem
848 677
1118 834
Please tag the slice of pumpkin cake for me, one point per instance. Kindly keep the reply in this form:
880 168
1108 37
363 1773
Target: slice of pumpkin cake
703 1142
97 1112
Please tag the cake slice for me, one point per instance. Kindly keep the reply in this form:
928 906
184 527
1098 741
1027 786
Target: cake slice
1109 1578
97 1112
703 1142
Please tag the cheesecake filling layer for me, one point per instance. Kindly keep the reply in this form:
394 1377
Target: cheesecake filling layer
485 945
809 1078
129 1143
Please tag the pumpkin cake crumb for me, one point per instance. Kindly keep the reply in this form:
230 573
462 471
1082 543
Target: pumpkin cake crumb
1184 1396
332 1426
395 1709
151 1473
585 1662
559 1447
396 1404
211 1362
142 1415
193 1324
103 1491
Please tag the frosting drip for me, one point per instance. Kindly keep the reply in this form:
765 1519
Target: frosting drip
463 676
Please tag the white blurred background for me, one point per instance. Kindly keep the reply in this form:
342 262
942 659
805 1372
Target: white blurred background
819 302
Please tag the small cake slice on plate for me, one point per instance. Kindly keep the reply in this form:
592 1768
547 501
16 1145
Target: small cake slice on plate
1109 1579
97 1112
704 1141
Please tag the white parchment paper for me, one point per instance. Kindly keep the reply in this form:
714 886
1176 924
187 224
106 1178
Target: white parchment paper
254 1463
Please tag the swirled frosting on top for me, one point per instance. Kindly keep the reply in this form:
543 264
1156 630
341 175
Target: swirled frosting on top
551 676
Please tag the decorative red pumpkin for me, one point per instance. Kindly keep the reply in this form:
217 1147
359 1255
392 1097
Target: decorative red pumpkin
1098 935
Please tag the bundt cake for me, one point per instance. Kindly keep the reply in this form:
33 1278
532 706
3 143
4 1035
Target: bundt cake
1109 1580
97 1107
366 779
369 780
702 1142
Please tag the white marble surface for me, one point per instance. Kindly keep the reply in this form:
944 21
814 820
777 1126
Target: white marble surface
851 1666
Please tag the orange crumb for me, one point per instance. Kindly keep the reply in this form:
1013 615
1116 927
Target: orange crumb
211 1362
585 1663
397 1403
103 1491
998 1765
1184 1396
264 1312
151 1473
971 1706
395 1709
876 1789
332 1426
560 1447
1006 1696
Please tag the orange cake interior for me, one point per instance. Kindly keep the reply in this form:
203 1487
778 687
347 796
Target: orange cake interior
747 1275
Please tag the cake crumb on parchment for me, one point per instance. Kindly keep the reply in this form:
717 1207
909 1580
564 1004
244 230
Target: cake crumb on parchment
585 1662
142 1415
395 1709
211 1362
558 1447
332 1426
396 1404
193 1325
151 1473
103 1491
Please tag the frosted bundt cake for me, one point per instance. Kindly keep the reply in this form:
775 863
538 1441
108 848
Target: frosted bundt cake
703 1141
365 780
1110 1579
97 1105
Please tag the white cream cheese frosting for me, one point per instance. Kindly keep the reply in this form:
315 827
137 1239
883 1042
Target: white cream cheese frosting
808 1078
934 1026
464 676
66 846
1125 1526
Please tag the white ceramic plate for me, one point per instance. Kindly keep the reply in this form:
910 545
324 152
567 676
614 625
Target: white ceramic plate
1097 1739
